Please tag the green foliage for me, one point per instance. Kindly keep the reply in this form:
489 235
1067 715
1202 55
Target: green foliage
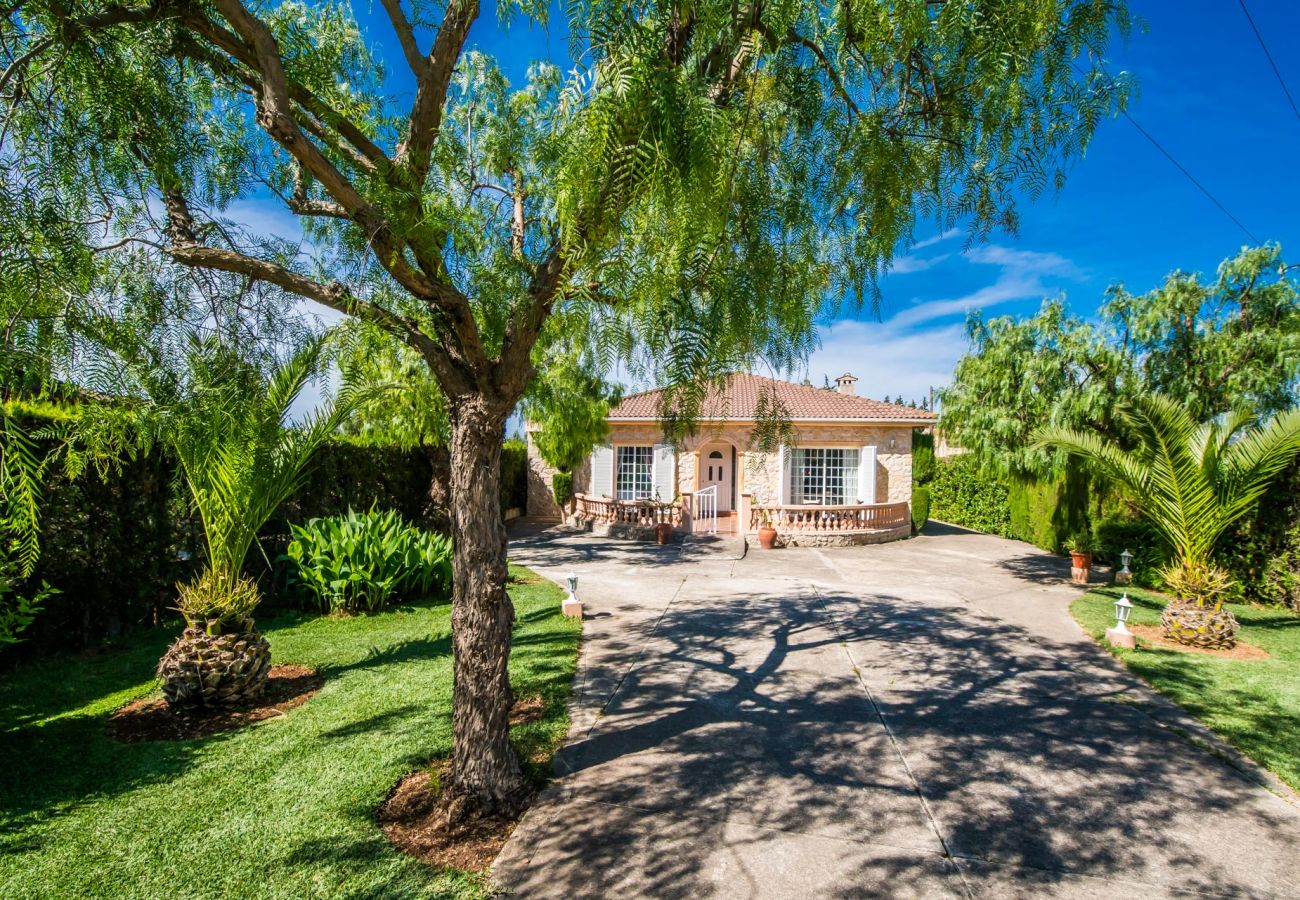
920 507
1081 541
1191 482
514 475
923 458
562 488
18 608
22 469
1046 510
964 494
223 421
1263 551
404 407
363 561
1115 534
1230 344
569 404
217 604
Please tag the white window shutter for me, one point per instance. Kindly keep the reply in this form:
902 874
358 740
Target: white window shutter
867 475
663 473
787 463
602 471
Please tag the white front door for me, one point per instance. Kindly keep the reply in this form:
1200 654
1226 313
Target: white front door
715 469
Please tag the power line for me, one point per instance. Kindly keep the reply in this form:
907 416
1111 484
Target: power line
1269 56
1192 178
1177 165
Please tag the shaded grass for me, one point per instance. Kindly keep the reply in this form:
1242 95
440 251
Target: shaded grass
1254 704
284 808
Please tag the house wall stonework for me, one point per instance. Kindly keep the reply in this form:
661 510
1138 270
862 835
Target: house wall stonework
541 501
759 473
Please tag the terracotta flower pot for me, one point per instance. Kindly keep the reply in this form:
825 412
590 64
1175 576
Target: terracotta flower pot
767 537
1080 567
664 533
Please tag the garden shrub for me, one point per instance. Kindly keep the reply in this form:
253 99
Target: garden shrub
562 488
360 562
920 507
961 493
1115 534
1263 551
1046 510
923 459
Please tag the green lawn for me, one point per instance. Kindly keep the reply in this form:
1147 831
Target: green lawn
280 809
1254 704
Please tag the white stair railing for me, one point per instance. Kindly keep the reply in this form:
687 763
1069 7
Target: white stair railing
706 507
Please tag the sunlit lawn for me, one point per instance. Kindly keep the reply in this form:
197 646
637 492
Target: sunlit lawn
1255 704
280 809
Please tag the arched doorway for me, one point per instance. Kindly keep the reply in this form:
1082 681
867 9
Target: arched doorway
717 466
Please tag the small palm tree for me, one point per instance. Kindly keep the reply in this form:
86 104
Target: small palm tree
1191 481
225 422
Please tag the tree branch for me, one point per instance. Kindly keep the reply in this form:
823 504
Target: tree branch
406 37
431 90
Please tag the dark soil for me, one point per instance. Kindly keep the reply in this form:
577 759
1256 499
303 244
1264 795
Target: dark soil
421 820
1154 635
154 720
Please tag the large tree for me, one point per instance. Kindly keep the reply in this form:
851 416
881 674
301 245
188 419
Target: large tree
686 199
1232 343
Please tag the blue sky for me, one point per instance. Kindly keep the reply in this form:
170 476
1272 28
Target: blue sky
1205 92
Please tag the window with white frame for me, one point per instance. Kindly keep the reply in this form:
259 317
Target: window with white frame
825 476
633 479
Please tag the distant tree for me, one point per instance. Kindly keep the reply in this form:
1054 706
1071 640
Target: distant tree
569 405
1232 344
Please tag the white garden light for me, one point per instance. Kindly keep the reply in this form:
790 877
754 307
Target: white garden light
1120 636
1125 574
572 606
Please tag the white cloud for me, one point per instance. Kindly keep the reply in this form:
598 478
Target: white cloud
906 265
888 360
938 238
1021 277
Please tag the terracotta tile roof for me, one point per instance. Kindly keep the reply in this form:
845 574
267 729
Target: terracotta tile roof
738 400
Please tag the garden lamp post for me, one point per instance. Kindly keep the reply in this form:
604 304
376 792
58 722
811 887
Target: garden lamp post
572 606
1120 636
1125 574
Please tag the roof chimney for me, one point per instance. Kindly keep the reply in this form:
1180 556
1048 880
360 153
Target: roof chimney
844 384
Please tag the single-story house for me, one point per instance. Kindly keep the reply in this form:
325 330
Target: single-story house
844 477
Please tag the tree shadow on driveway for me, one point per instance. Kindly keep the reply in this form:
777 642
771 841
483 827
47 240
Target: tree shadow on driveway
779 745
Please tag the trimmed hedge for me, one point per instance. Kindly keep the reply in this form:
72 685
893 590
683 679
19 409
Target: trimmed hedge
1047 511
962 494
920 507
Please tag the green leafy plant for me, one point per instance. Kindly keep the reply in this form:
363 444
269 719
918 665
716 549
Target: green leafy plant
215 604
362 561
1191 481
1082 541
17 610
963 493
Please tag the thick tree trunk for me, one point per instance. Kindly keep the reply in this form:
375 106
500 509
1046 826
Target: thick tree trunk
485 768
436 514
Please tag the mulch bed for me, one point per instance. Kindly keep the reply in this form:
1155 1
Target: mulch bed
1154 635
154 720
416 817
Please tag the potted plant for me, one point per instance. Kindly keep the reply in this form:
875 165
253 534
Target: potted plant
664 533
1081 547
766 533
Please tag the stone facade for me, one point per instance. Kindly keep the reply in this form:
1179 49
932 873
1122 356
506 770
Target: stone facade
541 500
759 473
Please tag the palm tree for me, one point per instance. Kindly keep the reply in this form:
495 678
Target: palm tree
1191 481
224 420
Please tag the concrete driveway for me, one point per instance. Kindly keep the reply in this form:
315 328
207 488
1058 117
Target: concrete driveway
918 719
